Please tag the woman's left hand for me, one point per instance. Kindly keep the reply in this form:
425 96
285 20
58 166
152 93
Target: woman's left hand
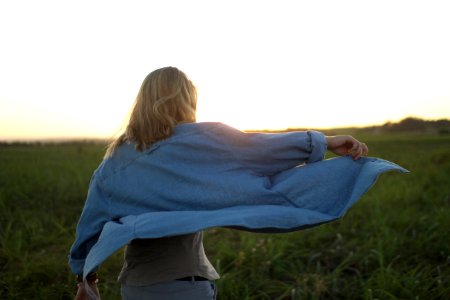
82 293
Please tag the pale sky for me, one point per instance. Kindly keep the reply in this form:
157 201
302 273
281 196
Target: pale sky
73 68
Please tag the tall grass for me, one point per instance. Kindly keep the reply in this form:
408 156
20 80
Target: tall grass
393 244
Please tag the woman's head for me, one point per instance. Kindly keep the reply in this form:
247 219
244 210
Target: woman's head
166 97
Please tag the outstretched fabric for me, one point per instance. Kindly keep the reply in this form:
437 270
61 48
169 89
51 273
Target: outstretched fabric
211 175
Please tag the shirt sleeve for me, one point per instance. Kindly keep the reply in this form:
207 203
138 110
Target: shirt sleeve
95 214
270 153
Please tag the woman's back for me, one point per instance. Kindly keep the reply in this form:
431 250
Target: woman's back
202 166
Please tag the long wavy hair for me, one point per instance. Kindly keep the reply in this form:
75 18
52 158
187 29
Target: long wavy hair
166 98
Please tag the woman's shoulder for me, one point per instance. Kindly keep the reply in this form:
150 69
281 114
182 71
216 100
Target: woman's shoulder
189 127
186 129
122 156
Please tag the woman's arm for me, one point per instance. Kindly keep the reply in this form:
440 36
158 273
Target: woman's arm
270 153
346 144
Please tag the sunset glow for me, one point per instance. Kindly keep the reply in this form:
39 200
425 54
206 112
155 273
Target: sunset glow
72 69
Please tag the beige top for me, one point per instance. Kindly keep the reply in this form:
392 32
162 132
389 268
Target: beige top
149 261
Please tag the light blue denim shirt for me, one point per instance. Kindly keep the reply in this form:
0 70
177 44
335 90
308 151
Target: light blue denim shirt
211 175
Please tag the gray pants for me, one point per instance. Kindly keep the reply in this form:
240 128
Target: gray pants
171 290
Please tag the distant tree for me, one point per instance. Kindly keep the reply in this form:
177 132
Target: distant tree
417 124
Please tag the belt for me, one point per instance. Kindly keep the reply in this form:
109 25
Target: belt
192 278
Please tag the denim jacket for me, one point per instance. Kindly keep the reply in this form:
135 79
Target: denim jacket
211 175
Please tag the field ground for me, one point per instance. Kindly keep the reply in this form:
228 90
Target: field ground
393 244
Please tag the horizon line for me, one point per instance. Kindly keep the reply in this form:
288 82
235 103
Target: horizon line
59 139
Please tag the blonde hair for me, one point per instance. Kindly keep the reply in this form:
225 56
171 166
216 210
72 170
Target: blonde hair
166 97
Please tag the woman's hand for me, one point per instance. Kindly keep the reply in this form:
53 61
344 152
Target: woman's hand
346 144
82 293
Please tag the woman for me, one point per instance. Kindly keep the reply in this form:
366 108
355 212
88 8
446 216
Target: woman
166 178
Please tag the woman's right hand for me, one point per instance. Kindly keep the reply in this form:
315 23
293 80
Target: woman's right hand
346 144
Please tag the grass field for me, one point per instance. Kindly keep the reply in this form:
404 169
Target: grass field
393 244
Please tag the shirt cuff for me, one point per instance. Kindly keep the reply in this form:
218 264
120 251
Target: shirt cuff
76 265
318 146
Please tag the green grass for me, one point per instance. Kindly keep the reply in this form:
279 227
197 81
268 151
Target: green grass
393 244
